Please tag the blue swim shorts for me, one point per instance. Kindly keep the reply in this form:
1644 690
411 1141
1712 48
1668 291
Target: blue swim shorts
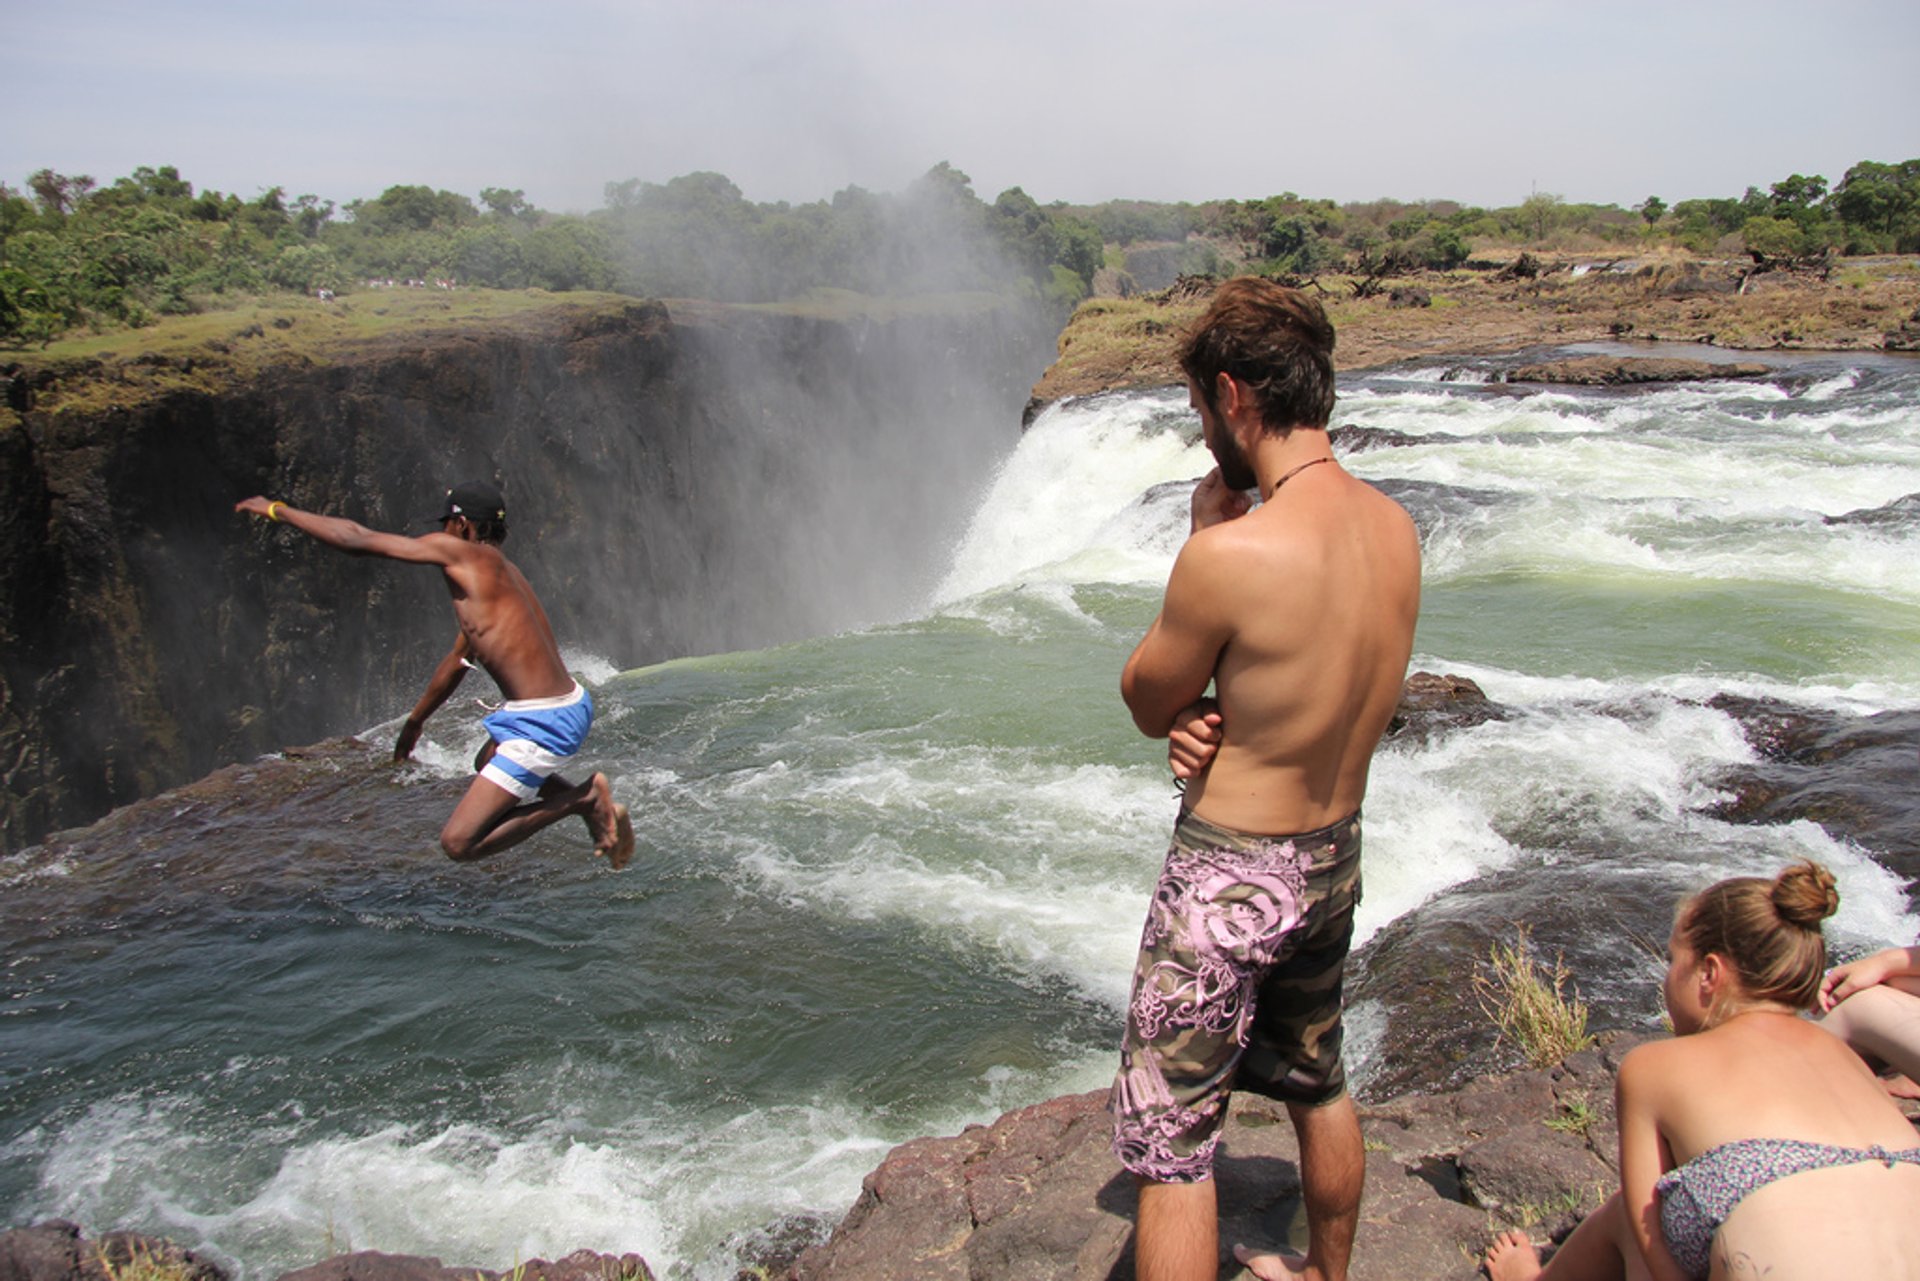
536 737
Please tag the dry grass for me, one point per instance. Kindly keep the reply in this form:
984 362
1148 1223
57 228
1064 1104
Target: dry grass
1120 342
216 350
145 1264
1530 1004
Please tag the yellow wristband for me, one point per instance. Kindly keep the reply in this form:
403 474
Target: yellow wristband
273 511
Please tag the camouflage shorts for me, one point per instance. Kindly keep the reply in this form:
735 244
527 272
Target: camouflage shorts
1237 985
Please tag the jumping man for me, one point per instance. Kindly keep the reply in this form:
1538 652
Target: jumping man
504 630
1300 614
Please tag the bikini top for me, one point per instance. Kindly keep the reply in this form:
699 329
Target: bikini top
1696 1197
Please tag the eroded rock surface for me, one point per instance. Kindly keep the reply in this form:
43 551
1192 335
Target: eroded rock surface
1037 1196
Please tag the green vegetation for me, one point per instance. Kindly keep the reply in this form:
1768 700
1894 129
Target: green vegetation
78 256
1576 1117
1874 209
1528 1004
74 255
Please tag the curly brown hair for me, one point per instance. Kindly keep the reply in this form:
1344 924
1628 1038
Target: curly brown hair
1278 341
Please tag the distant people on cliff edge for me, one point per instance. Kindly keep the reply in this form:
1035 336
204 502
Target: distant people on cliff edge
1299 614
503 629
1752 1143
1873 1004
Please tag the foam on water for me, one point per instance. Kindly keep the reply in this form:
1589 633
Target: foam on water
670 1189
1079 466
1009 852
1827 388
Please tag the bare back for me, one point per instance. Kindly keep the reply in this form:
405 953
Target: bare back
1320 623
1775 1076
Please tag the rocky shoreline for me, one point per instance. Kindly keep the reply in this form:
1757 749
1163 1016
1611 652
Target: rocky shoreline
1862 304
1037 1196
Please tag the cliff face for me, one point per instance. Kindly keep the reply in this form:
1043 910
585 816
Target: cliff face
733 479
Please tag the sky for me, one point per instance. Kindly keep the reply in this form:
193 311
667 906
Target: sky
1480 101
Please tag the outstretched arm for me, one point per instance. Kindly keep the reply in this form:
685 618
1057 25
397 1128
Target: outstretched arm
440 686
353 538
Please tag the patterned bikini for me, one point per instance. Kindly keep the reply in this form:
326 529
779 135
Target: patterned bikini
1695 1198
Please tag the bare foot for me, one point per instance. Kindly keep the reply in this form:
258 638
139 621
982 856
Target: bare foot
623 843
612 829
1512 1257
1271 1265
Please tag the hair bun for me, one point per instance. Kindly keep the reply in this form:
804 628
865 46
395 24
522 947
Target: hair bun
1804 895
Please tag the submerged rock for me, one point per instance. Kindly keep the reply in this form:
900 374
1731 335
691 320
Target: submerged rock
1853 775
1354 439
1901 511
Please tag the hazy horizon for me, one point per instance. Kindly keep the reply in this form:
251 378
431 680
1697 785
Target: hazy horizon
1483 103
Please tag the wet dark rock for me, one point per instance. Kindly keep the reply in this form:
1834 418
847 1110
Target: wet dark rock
1853 775
1431 703
1357 440
1620 371
1901 511
771 1251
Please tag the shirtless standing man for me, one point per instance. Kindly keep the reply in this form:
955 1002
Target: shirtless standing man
504 630
1301 614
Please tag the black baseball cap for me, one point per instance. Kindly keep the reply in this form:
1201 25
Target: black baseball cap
477 500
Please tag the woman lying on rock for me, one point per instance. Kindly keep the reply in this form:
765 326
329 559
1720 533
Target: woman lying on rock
1753 1143
1873 1004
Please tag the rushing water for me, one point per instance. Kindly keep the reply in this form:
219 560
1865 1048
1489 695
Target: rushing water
889 882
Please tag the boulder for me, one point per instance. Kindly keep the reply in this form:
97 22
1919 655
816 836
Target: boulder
56 1251
1431 703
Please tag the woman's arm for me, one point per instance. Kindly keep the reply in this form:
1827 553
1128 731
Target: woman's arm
1644 1155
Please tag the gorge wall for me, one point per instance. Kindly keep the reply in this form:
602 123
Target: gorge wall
677 482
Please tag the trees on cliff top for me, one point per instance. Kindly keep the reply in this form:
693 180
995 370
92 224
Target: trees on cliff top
73 252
